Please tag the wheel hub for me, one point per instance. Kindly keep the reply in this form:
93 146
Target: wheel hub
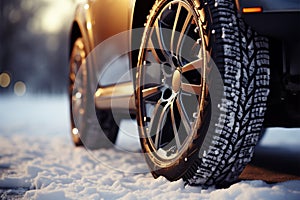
176 81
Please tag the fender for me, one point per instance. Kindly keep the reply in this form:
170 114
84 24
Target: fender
106 18
80 26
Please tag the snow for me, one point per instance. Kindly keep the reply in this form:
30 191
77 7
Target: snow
38 161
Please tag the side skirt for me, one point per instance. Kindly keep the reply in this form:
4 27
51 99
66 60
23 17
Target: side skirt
118 97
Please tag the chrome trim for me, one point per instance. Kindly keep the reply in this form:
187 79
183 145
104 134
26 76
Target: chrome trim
120 96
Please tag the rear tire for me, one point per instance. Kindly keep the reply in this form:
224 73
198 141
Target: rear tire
85 118
196 153
77 95
109 124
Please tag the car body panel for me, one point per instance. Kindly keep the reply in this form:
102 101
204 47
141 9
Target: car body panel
98 20
80 21
115 18
280 20
270 5
277 18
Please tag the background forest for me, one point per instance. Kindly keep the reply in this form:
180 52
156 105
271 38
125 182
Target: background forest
34 45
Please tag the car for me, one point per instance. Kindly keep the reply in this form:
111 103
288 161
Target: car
195 74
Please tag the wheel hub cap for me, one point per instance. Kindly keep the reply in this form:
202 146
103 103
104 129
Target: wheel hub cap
176 81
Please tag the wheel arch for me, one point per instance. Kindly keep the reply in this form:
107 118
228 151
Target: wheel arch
139 16
75 33
140 12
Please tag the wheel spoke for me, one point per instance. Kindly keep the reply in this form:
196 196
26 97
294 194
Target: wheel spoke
157 122
174 28
184 29
183 116
176 134
197 64
157 42
156 52
151 91
191 88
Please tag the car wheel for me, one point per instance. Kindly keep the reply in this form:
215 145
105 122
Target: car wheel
184 132
84 125
77 100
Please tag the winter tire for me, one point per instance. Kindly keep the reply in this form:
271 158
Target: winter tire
174 99
83 114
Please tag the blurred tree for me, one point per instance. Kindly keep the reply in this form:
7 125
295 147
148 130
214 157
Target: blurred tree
33 56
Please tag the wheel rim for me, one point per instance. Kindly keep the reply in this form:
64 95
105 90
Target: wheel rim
78 78
171 81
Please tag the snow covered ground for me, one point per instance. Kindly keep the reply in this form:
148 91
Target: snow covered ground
38 161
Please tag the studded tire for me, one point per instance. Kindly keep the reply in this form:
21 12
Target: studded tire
220 141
